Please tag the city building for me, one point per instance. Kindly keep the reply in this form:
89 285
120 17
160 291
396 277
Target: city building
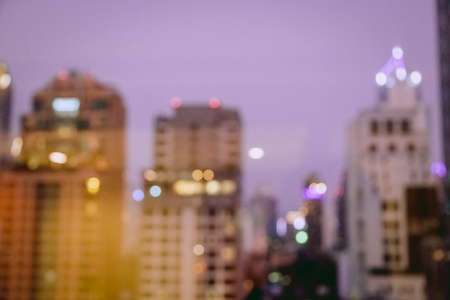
5 112
262 212
388 153
190 239
61 202
313 192
341 225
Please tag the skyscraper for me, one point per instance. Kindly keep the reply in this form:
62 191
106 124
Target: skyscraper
5 111
190 240
388 152
60 212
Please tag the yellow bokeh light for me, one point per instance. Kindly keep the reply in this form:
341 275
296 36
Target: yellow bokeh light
213 187
150 175
93 185
33 163
197 175
208 175
58 158
187 188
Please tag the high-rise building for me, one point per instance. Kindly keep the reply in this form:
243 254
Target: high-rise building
60 215
190 241
389 151
5 111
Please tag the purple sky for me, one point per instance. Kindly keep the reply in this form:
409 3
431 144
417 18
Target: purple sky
299 71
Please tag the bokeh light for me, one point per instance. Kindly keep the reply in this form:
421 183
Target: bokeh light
197 175
214 103
397 52
415 77
155 191
93 185
299 223
274 277
175 102
198 250
5 81
401 74
301 237
256 153
213 187
208 175
138 195
438 169
381 78
150 175
58 158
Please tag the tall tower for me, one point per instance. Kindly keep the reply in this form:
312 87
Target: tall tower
313 194
388 152
190 241
60 214
5 111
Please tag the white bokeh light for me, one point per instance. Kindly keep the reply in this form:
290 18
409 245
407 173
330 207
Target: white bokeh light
400 73
415 77
256 153
397 52
299 223
381 78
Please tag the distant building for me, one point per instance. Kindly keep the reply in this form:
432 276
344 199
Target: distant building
389 152
262 210
190 240
5 112
314 191
341 239
61 203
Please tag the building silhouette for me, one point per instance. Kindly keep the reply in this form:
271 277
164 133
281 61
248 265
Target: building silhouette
389 153
190 241
61 202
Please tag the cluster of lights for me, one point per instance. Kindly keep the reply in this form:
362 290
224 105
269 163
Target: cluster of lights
207 175
212 187
396 65
315 190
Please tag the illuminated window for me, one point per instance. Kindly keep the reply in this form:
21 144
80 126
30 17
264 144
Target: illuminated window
66 107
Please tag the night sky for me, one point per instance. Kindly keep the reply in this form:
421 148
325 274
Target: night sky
299 71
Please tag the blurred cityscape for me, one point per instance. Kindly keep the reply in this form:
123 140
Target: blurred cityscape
72 228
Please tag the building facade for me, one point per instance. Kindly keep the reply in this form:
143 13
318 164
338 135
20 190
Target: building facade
61 203
388 152
190 241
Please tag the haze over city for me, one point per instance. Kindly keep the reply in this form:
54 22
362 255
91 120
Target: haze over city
298 71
